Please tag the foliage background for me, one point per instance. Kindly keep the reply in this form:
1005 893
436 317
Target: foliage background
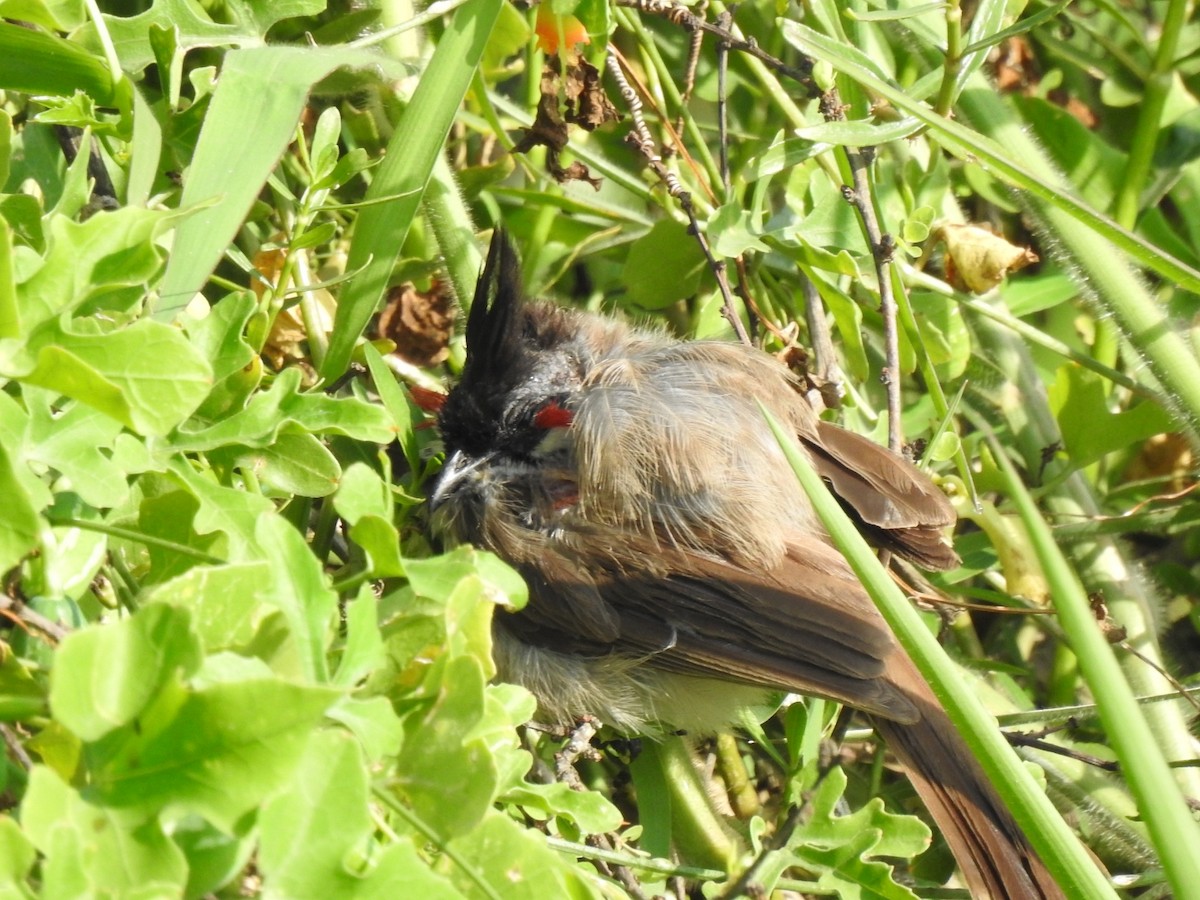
231 661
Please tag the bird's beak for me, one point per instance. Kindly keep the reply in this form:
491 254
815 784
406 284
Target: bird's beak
458 470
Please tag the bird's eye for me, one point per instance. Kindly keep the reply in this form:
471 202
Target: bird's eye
552 416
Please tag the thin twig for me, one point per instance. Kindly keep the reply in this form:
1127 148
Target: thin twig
681 15
743 291
1175 682
724 20
1035 743
31 619
579 746
689 78
825 367
882 249
639 136
15 748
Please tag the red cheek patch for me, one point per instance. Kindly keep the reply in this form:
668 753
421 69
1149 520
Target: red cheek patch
553 416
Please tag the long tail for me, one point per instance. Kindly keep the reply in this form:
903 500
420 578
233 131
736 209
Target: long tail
995 857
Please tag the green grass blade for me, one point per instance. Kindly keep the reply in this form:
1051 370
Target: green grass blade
33 62
1159 800
266 87
404 173
1050 836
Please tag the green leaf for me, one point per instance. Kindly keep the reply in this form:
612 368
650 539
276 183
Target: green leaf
34 62
79 111
259 424
17 855
944 333
399 404
237 369
22 695
223 601
168 516
259 18
308 834
19 524
146 375
77 441
91 850
831 223
361 492
296 463
69 558
93 261
131 35
842 849
10 317
105 676
516 862
373 722
220 335
55 15
217 749
1090 429
859 133
214 858
363 652
236 513
300 590
662 266
899 836
438 577
782 156
24 214
452 761
380 540
732 231
590 811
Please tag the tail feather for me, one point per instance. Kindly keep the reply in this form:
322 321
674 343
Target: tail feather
996 859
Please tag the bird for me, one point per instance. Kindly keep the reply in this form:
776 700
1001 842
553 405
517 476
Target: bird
677 572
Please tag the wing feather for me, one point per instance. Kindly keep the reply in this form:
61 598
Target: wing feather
805 626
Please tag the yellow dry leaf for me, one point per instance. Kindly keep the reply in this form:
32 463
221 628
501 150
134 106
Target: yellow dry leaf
977 260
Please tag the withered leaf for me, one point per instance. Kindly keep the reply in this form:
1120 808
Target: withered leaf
585 105
419 324
976 259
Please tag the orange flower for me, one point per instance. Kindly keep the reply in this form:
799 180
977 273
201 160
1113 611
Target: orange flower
554 30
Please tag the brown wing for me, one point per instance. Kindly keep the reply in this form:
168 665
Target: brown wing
896 505
804 626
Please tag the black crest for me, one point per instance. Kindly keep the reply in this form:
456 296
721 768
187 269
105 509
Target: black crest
498 356
495 346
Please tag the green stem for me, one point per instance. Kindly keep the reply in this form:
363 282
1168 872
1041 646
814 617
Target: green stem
1086 238
1149 121
699 835
953 60
138 537
1102 562
1159 800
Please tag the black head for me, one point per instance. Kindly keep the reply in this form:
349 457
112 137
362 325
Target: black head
519 363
